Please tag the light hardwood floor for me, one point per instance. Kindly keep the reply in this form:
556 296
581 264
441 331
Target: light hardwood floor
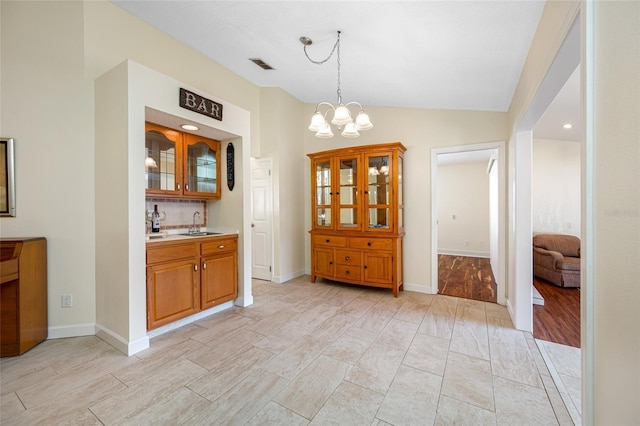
304 353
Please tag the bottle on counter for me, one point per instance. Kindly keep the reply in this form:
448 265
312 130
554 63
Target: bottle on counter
155 219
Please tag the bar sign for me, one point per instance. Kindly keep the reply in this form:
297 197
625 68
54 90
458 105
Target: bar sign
199 104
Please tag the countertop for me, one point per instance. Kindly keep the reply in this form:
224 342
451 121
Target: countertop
176 237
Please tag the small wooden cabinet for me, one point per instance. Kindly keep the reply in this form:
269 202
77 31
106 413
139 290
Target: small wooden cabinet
23 294
357 205
180 164
186 277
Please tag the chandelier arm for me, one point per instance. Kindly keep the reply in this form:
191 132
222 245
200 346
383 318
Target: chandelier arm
325 103
355 103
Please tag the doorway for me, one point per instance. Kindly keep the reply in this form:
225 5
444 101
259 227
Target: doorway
494 154
261 219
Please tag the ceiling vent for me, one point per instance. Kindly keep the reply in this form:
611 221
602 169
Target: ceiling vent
262 64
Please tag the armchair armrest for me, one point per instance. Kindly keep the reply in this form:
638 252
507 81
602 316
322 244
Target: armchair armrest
546 258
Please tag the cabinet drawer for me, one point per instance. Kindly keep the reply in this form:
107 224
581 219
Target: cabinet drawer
330 241
371 243
348 257
165 254
348 272
218 246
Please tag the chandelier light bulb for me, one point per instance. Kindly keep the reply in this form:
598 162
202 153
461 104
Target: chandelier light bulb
317 122
350 131
325 132
341 116
362 121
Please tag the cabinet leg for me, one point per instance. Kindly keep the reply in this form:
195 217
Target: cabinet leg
313 278
395 291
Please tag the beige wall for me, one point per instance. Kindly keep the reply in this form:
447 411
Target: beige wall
281 139
614 209
556 186
463 191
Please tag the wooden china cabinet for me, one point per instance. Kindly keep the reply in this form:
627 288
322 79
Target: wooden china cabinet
357 205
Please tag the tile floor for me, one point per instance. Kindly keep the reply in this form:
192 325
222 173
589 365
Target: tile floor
304 353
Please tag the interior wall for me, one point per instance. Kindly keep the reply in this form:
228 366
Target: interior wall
556 187
463 209
281 141
419 130
47 107
613 212
51 53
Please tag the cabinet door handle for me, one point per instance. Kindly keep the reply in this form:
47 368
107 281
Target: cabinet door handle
330 263
220 247
178 186
346 258
186 187
195 267
366 192
347 272
204 266
365 266
369 243
338 193
327 240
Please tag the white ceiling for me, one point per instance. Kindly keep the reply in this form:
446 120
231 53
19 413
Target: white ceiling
460 55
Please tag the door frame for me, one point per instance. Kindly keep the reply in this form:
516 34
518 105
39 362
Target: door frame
500 146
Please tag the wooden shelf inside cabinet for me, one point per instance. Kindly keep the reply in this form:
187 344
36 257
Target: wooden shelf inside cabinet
23 294
357 204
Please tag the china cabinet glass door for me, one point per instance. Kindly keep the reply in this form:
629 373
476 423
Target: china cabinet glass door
323 194
400 193
377 194
348 180
161 152
202 159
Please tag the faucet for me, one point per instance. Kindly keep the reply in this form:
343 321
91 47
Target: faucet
193 229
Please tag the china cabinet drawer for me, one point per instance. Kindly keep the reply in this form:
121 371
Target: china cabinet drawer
329 241
348 272
371 243
348 257
165 254
219 246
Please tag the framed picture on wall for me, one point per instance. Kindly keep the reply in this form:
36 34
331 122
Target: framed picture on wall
7 182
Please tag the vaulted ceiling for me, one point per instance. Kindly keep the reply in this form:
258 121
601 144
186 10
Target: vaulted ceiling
459 55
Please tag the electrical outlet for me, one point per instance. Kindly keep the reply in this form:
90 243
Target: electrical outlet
67 300
466 243
481 243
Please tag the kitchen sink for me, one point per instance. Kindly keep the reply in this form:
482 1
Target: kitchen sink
200 234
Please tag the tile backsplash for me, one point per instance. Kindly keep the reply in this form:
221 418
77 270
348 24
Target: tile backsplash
177 214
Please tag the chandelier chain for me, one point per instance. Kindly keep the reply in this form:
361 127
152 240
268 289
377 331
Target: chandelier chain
336 46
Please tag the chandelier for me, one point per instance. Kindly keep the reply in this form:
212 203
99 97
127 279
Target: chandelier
341 113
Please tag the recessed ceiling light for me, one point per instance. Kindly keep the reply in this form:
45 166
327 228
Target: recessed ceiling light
189 127
567 126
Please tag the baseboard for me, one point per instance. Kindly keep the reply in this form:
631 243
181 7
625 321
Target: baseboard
284 278
120 343
418 288
244 301
193 318
75 330
537 297
467 253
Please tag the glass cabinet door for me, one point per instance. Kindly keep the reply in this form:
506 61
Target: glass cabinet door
322 194
348 193
377 194
162 170
201 166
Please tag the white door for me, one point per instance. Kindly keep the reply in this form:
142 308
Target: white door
261 218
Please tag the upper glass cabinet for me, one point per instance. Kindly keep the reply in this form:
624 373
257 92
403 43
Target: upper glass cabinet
377 195
201 169
323 194
181 164
348 192
162 170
